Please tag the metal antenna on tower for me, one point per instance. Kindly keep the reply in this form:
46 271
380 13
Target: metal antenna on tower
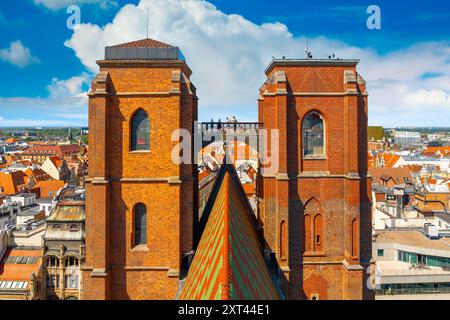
147 19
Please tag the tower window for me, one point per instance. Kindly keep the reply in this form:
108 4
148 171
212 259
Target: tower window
307 233
140 224
283 240
313 135
140 131
318 232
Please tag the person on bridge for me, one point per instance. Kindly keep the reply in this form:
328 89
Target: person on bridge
234 120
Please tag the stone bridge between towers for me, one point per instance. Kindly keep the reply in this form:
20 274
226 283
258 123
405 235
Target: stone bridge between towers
247 132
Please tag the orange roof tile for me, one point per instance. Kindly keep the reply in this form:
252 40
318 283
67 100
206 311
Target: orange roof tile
144 43
49 188
19 272
13 182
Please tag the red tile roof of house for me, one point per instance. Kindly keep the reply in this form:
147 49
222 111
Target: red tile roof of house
11 140
49 188
38 175
398 175
61 150
228 262
144 43
445 150
57 161
13 182
20 271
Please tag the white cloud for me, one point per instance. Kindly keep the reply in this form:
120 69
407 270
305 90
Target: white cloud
18 54
66 104
72 87
229 53
60 4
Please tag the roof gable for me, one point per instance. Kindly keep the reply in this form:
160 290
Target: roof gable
228 263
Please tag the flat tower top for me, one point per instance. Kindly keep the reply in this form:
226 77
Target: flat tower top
310 63
145 49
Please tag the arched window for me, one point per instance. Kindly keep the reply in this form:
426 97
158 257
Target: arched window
283 240
140 131
318 232
354 238
71 262
307 233
313 135
52 262
140 224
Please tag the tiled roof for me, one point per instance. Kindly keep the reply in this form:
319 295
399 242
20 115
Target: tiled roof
57 161
19 271
60 150
228 262
398 175
68 213
144 43
49 188
12 182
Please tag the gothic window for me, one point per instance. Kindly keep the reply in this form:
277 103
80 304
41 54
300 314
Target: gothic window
140 131
318 232
354 238
52 281
71 262
283 240
52 262
140 224
313 135
71 281
307 233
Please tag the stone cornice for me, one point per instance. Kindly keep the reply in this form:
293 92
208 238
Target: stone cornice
350 92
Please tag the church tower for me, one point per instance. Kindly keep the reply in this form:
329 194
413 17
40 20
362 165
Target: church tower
141 206
315 208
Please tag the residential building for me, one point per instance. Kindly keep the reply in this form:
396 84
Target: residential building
21 274
64 246
40 153
409 265
56 168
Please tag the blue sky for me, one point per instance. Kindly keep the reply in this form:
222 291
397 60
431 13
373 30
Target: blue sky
45 68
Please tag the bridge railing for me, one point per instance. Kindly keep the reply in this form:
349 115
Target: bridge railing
230 127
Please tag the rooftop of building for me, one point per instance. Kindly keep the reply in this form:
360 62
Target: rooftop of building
17 266
144 49
311 62
143 43
412 238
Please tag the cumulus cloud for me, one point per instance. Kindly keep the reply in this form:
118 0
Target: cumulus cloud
72 87
66 104
18 54
228 54
60 4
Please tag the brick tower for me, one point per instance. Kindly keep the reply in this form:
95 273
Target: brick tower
315 208
140 205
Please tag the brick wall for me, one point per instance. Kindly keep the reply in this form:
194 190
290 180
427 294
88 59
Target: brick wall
334 185
119 179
